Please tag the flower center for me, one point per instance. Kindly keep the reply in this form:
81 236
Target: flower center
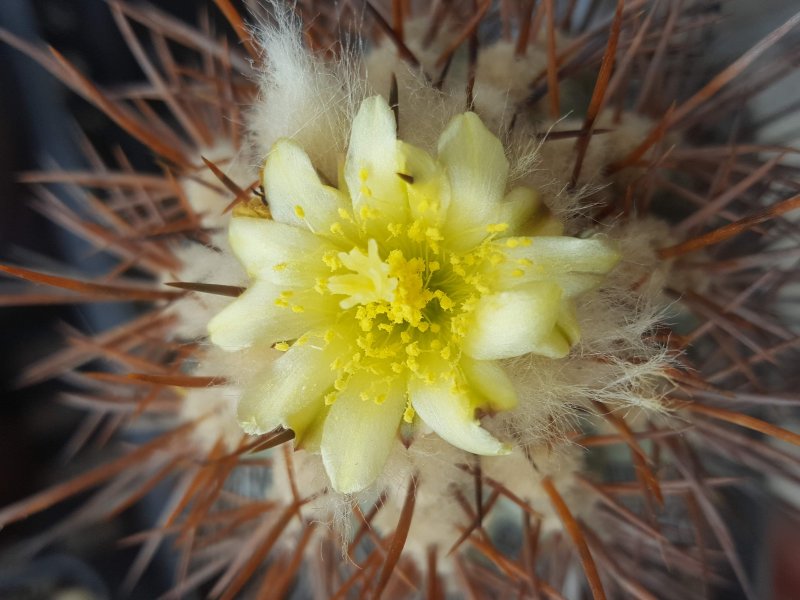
405 313
369 282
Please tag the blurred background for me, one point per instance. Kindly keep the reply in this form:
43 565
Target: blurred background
39 127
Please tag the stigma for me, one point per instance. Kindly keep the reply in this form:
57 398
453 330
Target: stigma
369 280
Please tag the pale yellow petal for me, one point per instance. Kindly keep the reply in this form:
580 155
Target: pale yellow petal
307 425
553 345
254 317
544 225
568 323
576 264
572 284
427 186
477 170
358 435
576 284
490 381
287 386
518 207
514 323
284 254
295 194
372 165
449 412
564 334
567 254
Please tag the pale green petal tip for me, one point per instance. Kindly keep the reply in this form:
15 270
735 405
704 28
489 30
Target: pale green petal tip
466 130
374 112
469 119
346 483
491 383
347 477
451 416
251 417
247 413
217 332
609 256
479 441
284 148
376 103
358 437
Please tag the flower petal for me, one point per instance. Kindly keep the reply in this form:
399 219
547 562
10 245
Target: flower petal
516 322
427 186
283 254
477 169
576 284
491 382
449 412
568 323
358 436
576 264
255 317
555 344
295 194
372 165
567 254
517 208
307 425
285 388
523 210
544 224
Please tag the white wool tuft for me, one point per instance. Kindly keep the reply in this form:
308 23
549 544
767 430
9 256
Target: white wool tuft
522 472
209 264
302 97
503 80
207 195
213 408
438 519
548 164
204 264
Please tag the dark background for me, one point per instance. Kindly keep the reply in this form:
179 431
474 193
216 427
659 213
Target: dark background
38 121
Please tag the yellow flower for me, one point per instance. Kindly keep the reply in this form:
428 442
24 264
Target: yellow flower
394 294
